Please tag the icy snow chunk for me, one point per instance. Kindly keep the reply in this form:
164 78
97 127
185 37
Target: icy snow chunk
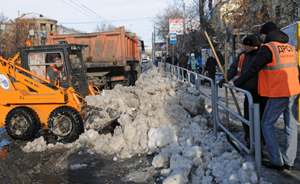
161 137
165 172
195 179
161 160
178 161
189 152
200 171
193 104
129 132
247 173
38 145
207 180
193 91
179 176
197 161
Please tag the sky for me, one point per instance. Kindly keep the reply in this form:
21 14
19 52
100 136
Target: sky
136 15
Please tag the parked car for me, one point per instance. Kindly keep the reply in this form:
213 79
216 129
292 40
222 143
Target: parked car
144 61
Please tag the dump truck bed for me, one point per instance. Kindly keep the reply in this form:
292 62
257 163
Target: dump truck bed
106 49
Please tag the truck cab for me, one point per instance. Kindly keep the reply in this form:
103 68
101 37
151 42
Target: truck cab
37 59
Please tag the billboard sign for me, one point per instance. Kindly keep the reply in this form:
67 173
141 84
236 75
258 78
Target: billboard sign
176 26
205 54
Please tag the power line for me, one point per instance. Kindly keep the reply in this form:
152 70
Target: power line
94 12
80 11
89 10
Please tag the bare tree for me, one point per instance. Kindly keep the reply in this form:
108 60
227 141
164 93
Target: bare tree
104 27
3 20
161 22
15 35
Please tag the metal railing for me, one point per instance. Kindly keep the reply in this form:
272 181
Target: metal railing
254 113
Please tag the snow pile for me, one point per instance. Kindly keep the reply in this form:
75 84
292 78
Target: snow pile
163 116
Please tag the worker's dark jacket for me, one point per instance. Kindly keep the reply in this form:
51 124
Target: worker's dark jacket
251 84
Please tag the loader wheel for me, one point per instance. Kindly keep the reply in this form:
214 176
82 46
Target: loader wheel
65 123
22 123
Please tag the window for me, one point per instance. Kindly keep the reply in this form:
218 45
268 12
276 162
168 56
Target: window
43 27
39 62
37 65
43 41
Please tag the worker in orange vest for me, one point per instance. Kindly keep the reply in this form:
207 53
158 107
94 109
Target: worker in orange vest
278 78
239 66
56 72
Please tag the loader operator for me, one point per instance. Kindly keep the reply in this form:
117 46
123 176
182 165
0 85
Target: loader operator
56 72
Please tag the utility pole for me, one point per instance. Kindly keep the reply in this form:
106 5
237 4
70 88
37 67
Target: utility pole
184 36
183 20
153 48
156 62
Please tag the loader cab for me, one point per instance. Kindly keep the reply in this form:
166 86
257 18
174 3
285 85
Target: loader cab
38 60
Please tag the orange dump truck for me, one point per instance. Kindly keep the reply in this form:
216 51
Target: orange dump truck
111 57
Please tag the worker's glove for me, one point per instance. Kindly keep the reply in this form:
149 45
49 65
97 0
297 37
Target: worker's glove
221 82
230 83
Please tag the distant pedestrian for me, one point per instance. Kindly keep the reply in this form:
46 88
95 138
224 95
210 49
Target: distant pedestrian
175 60
210 67
183 60
169 59
200 63
193 65
278 79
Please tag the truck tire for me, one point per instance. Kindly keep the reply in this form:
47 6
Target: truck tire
65 123
22 123
128 79
134 77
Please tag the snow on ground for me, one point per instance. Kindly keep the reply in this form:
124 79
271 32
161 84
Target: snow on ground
162 116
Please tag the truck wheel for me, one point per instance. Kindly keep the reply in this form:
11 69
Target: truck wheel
139 70
128 80
134 77
65 123
22 123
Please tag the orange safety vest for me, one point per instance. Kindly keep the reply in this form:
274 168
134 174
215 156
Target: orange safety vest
280 77
55 69
240 65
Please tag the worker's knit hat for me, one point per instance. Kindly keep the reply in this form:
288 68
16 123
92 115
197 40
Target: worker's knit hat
250 41
268 27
